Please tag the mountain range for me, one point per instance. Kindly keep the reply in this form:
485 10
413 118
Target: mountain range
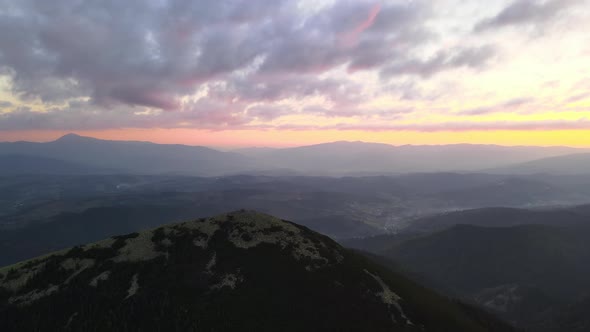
132 157
336 158
361 158
571 164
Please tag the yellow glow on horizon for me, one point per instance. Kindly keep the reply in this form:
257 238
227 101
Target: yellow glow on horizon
286 138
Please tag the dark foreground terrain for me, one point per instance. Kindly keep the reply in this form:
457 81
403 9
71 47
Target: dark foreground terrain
530 267
241 271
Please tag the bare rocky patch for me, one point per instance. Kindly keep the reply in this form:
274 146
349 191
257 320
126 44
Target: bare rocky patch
101 277
17 277
32 296
76 265
133 287
228 280
103 244
139 248
388 296
211 263
251 229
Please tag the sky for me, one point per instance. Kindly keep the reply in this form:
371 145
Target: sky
231 73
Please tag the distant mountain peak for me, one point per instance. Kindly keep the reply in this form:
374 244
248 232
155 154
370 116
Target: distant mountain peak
71 137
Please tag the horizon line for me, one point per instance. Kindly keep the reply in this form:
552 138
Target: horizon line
229 148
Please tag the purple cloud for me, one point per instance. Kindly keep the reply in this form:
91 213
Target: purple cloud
521 12
128 56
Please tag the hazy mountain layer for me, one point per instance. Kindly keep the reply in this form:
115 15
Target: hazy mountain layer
11 165
133 157
572 164
337 158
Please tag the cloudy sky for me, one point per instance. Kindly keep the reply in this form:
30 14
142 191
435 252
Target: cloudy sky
292 72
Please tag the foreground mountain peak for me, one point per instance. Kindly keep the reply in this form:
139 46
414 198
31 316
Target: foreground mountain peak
241 270
242 229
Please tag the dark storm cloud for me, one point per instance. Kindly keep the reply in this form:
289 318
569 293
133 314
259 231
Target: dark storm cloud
522 12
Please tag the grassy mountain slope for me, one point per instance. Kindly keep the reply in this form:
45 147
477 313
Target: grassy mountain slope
470 258
534 275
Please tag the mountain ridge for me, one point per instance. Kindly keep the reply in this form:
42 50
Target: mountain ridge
134 156
339 158
74 136
570 164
